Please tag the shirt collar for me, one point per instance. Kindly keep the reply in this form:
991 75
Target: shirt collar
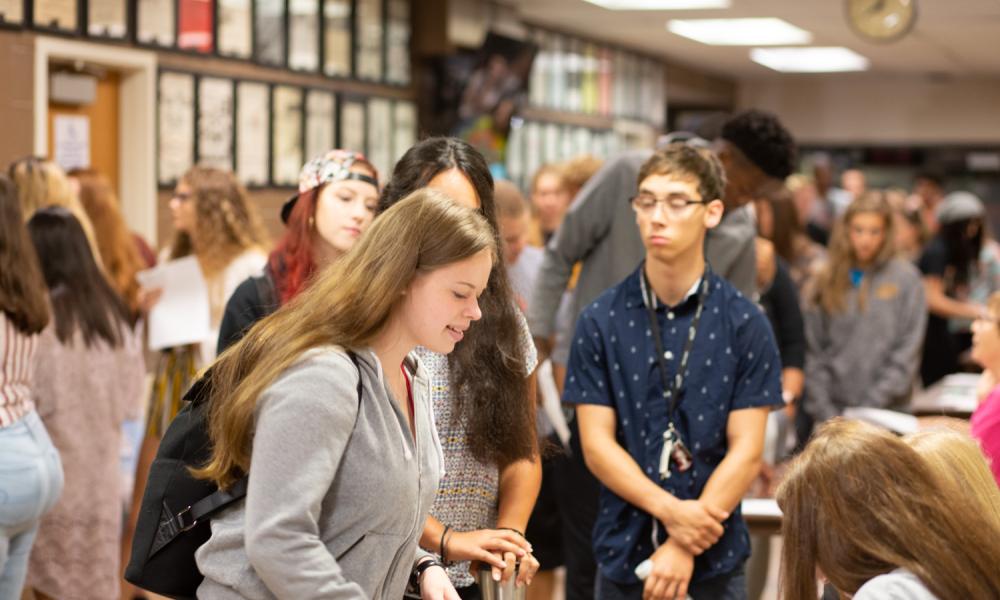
635 291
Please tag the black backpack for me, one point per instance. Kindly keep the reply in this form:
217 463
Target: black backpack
176 507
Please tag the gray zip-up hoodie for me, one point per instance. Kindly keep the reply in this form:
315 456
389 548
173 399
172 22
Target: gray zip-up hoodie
868 358
337 496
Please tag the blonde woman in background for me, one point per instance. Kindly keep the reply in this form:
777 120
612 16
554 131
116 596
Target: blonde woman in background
865 512
864 314
42 183
960 466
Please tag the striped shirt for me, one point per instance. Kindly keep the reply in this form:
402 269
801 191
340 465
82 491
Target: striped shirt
16 352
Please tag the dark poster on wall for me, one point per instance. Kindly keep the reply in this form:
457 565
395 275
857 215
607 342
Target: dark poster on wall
480 91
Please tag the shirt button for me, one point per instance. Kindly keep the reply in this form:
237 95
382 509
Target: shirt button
668 355
670 315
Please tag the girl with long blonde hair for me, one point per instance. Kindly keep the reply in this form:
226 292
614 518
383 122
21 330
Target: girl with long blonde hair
863 509
959 464
339 487
40 183
864 316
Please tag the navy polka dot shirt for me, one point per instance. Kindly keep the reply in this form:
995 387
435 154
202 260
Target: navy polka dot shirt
734 364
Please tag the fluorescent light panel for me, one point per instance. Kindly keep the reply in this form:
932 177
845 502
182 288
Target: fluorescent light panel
767 31
831 59
660 4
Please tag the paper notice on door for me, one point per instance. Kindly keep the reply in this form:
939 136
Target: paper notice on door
71 138
181 316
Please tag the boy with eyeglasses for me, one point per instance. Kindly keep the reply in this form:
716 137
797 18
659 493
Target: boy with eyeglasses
673 372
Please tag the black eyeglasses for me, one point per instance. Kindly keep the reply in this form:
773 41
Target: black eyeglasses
674 204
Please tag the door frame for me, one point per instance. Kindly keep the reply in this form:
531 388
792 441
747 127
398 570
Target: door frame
136 119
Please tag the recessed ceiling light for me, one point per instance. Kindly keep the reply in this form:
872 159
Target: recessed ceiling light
809 60
660 4
766 31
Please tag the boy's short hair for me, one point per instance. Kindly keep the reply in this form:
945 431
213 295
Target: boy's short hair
510 204
684 161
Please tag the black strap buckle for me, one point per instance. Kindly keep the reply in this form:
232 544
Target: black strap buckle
182 518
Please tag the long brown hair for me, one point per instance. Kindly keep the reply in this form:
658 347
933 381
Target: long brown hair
834 279
859 502
348 305
226 223
114 241
22 288
487 368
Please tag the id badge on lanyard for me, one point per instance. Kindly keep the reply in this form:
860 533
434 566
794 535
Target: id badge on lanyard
675 452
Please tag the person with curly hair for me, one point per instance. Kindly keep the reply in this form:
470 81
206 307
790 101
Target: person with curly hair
215 222
335 204
483 396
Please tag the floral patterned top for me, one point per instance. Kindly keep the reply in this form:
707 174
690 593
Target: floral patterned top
467 497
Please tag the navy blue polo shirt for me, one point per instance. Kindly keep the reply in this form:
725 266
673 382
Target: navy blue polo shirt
734 364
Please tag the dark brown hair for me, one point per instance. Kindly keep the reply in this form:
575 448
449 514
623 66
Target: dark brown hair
22 288
786 225
80 294
487 368
859 502
684 161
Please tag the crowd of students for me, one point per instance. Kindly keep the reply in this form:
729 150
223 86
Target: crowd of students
374 379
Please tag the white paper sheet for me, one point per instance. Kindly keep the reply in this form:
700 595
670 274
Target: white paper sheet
72 141
182 314
761 507
898 422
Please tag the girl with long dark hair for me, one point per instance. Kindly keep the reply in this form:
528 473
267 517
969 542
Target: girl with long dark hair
88 378
483 394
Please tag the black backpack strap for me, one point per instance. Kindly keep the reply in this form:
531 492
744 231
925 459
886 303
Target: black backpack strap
174 525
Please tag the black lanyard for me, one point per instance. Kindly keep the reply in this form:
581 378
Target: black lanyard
672 388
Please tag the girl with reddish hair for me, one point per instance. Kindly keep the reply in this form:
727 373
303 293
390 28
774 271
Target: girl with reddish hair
335 204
